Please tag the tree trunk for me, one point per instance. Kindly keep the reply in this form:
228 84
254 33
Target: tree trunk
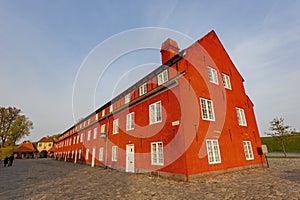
283 148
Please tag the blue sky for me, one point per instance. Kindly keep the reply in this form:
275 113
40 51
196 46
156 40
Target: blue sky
43 44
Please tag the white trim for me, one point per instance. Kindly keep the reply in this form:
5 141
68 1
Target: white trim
155 113
130 121
116 126
95 133
157 153
114 152
101 154
213 75
226 81
213 151
241 116
143 89
207 109
248 150
162 77
127 98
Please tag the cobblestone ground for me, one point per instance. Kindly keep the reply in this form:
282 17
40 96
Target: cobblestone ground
49 179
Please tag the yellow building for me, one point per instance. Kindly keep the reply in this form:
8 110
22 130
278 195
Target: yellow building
44 145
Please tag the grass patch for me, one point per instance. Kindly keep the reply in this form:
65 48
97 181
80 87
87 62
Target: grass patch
291 145
6 151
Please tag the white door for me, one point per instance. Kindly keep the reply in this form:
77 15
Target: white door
129 158
75 157
93 157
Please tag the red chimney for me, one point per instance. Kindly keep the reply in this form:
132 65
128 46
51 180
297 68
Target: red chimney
168 49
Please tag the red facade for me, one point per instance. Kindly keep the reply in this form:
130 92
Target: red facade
190 115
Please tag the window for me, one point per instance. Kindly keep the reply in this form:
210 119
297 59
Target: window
87 154
207 109
130 121
101 153
143 89
89 135
241 116
96 118
114 156
79 155
127 98
155 112
111 108
103 128
213 151
74 140
226 81
49 144
81 137
162 77
40 144
213 75
157 155
103 113
248 150
116 126
95 132
77 139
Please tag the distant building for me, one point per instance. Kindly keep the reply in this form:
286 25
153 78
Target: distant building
189 116
44 145
26 150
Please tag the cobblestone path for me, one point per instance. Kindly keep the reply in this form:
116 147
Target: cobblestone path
49 179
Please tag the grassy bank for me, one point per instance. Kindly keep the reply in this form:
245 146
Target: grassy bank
6 151
291 145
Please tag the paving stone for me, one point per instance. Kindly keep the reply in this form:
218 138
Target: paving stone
49 179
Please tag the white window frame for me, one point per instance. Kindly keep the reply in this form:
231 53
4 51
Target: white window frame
96 117
248 150
162 77
87 152
95 133
89 135
74 140
130 121
226 81
127 98
77 140
114 153
101 154
81 137
111 108
103 128
79 154
116 126
241 116
103 113
207 109
213 75
143 89
213 151
155 113
157 153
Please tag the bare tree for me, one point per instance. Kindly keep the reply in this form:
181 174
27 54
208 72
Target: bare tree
280 131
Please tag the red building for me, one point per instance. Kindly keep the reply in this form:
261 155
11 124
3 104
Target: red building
189 116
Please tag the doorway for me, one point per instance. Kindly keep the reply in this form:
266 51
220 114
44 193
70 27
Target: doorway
130 158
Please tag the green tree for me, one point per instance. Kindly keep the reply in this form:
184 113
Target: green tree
20 128
280 132
13 125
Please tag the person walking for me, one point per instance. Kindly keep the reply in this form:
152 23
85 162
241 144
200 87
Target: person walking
5 161
11 160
